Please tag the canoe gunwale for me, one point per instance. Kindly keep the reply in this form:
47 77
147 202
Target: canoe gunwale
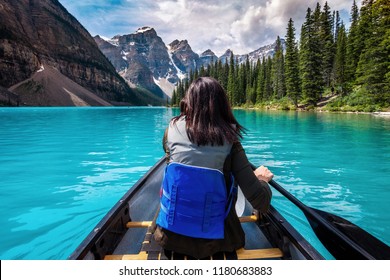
290 235
111 217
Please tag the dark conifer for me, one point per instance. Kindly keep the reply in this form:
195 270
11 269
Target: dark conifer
292 65
353 50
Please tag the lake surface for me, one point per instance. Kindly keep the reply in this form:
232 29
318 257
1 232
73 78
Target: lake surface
62 169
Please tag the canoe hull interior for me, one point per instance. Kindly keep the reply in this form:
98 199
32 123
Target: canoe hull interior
112 236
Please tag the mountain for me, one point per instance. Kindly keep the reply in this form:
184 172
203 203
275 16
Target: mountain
183 56
265 51
47 58
8 98
51 88
207 57
225 58
143 59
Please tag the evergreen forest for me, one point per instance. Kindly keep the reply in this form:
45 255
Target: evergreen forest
347 68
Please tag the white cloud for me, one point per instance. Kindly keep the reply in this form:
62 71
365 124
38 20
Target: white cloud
242 26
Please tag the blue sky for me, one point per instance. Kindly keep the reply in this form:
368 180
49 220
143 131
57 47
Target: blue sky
242 26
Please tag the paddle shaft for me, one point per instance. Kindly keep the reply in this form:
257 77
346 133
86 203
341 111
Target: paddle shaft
313 216
326 228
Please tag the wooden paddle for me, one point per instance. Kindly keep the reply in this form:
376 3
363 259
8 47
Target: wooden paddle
343 239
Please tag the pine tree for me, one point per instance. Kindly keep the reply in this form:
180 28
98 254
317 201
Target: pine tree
231 84
310 59
186 85
174 98
179 92
236 81
261 81
226 69
251 84
211 69
337 25
340 61
326 35
374 64
241 85
216 70
247 81
268 87
292 65
279 85
202 71
353 51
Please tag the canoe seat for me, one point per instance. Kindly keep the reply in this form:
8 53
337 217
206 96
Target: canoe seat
151 250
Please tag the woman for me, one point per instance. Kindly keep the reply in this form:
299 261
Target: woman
197 217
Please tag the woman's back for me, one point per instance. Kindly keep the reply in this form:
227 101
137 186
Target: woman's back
182 150
204 139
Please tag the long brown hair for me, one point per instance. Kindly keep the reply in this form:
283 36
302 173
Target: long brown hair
209 117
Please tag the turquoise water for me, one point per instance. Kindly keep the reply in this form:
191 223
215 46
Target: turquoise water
62 169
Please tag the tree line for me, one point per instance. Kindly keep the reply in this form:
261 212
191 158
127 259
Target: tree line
327 60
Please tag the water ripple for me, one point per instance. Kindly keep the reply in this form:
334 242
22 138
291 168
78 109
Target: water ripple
62 169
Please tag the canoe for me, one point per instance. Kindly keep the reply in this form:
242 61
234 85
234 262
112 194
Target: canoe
126 231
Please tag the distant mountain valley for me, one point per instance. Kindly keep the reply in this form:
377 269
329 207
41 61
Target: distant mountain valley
47 58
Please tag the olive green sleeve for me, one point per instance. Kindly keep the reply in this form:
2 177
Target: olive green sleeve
256 191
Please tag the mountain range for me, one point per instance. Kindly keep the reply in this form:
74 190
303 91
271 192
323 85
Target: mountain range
143 59
47 58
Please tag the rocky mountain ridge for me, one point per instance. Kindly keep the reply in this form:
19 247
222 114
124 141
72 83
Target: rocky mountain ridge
39 36
143 59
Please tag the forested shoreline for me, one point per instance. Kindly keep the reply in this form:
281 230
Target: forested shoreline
329 67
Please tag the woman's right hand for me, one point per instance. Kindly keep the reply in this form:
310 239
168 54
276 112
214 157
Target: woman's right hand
263 173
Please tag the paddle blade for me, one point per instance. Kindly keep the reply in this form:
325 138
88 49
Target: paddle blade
240 204
359 243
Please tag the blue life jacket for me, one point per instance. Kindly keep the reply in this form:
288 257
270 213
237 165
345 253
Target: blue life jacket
194 201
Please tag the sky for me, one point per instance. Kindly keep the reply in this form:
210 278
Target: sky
240 25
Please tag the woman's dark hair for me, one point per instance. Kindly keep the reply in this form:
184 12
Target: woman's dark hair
209 117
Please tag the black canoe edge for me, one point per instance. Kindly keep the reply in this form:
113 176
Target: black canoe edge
290 236
114 221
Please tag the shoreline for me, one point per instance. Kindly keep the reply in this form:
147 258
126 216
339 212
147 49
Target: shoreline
316 110
265 108
382 114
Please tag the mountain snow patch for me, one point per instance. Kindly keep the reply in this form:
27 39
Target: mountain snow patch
143 29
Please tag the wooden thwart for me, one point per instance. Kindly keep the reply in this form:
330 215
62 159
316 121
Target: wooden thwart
139 256
242 254
145 224
248 219
268 253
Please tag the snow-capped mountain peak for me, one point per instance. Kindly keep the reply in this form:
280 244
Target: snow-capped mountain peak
143 59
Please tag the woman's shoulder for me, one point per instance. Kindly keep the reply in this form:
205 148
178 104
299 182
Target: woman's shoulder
237 146
177 121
